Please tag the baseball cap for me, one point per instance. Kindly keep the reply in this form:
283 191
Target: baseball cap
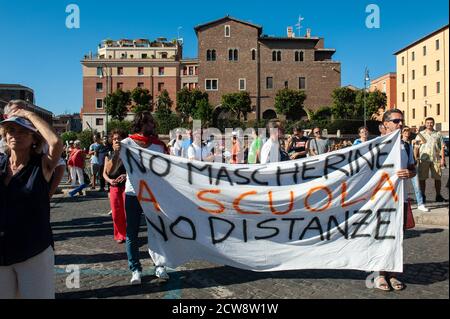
20 121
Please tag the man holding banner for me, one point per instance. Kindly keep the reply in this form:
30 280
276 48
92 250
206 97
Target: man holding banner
339 210
393 120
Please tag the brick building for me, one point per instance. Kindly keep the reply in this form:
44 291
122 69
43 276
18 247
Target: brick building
387 84
67 122
235 56
127 64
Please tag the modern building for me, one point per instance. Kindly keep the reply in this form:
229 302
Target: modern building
235 55
127 64
422 85
67 122
387 84
10 92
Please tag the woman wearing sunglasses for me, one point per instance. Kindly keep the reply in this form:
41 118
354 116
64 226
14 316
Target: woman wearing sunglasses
26 241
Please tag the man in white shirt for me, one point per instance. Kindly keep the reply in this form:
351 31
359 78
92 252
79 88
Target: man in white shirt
393 120
197 151
270 152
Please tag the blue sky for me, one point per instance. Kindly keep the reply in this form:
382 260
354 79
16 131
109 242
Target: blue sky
37 50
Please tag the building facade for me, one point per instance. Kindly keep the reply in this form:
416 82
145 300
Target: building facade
189 73
422 85
387 84
127 64
235 56
10 92
67 122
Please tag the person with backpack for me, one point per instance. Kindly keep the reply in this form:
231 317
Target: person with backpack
318 144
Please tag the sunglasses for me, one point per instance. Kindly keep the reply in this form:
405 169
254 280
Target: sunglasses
396 121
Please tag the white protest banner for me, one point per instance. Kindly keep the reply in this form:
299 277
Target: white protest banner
341 210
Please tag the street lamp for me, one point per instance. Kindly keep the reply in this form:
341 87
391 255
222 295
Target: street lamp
366 79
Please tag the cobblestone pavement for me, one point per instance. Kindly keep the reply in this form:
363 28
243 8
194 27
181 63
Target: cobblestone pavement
83 237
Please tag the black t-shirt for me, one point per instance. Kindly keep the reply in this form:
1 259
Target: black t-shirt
298 145
120 170
25 229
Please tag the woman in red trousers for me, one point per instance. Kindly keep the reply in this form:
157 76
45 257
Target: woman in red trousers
115 174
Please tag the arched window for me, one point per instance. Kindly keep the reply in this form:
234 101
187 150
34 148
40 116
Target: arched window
227 31
302 56
279 56
236 55
208 55
274 55
230 54
296 56
253 54
213 55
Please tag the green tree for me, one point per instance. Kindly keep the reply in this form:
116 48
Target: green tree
142 99
123 125
374 100
187 101
238 103
184 103
68 136
164 103
323 113
290 103
344 103
86 138
203 112
117 104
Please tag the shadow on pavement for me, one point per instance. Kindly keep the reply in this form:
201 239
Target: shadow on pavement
421 274
92 259
413 233
77 199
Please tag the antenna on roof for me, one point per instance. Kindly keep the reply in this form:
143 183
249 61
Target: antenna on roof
180 40
299 24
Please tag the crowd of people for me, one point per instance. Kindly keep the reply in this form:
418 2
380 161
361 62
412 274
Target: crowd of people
33 160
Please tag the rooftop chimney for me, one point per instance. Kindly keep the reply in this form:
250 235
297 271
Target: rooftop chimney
308 33
289 32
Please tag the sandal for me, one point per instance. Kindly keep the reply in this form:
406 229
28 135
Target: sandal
381 283
396 284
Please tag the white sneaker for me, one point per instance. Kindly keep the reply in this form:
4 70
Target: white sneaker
161 272
136 278
423 208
